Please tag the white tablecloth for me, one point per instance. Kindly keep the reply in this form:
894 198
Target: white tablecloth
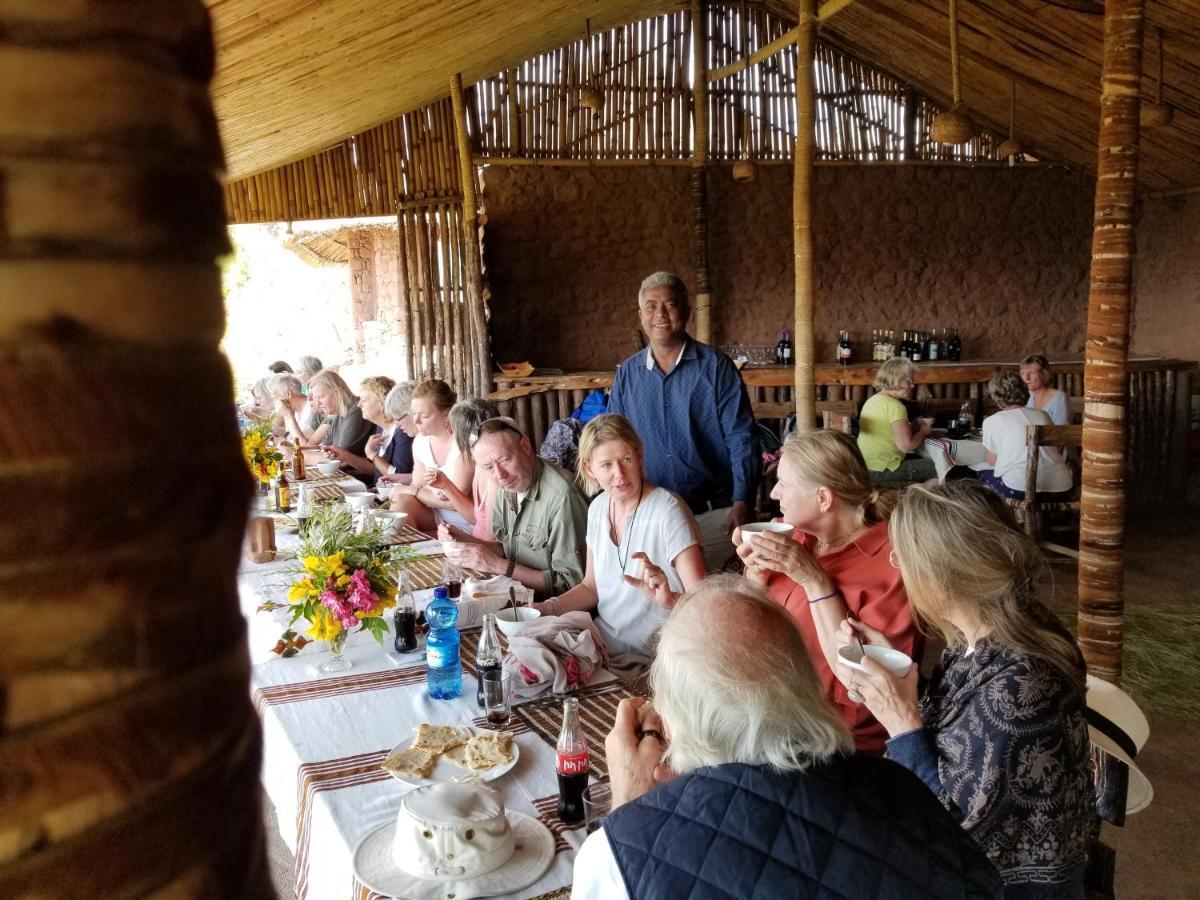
325 736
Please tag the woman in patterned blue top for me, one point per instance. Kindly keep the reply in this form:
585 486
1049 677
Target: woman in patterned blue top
999 733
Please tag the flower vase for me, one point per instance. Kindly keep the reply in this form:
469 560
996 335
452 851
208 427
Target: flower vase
337 662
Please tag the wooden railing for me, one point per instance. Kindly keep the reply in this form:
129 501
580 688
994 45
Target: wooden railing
1159 404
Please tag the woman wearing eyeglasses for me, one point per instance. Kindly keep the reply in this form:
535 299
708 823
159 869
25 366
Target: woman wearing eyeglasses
391 450
886 437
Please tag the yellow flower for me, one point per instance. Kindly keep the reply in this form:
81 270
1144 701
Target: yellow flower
312 564
324 626
301 589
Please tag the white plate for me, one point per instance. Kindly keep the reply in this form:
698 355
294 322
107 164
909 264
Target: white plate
444 770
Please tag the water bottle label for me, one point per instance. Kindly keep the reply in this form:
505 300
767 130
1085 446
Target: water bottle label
441 657
572 764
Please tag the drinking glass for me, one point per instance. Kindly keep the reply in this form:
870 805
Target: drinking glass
497 697
597 803
452 577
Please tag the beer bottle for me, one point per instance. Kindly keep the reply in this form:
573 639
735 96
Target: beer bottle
298 471
572 763
283 489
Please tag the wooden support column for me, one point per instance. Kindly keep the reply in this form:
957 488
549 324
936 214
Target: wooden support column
1105 377
479 355
702 289
802 240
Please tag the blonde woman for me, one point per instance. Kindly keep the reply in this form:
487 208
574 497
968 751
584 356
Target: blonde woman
1000 733
436 455
888 440
835 563
344 427
371 394
643 545
1035 372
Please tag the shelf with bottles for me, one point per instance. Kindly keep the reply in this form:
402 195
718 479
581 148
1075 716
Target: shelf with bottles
936 345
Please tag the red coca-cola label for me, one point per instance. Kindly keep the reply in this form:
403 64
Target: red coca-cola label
572 763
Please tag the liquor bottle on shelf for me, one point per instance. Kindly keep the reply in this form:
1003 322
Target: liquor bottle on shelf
889 348
954 347
916 354
932 351
783 350
843 349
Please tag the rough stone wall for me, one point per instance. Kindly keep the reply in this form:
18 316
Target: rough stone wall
1166 318
1000 254
362 287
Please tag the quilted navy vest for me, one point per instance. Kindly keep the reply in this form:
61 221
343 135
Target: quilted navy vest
858 827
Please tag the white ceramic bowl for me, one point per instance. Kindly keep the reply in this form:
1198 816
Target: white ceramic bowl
329 467
510 621
763 528
894 661
360 501
391 521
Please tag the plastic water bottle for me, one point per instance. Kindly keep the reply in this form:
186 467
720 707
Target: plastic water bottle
442 659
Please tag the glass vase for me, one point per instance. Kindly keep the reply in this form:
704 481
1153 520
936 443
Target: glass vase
337 662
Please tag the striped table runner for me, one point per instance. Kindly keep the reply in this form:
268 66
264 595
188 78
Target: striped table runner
297 691
406 535
328 775
597 712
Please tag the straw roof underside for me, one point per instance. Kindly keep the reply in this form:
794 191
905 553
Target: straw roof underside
295 78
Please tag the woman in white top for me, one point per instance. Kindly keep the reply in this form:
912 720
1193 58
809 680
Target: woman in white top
644 548
1035 372
435 453
1005 441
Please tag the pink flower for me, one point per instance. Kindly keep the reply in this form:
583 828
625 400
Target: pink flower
359 594
343 612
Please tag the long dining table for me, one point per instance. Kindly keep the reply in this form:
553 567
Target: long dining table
325 735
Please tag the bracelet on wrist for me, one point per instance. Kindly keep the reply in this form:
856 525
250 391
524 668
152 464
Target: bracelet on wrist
832 593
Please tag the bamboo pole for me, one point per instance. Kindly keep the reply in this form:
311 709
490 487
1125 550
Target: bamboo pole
766 51
1105 374
480 360
129 749
802 238
700 174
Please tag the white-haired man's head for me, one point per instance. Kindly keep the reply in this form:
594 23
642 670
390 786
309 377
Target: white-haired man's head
733 684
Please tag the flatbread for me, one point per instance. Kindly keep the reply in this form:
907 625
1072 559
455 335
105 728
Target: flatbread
414 762
482 752
439 738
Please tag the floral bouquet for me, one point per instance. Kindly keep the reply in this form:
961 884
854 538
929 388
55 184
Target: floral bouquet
262 458
343 582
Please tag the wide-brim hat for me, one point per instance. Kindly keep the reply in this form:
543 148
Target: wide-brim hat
1118 726
388 861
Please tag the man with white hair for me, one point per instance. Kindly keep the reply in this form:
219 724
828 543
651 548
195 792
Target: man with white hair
743 782
688 404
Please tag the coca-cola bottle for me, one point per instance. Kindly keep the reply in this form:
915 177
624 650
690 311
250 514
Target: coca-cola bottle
572 763
487 656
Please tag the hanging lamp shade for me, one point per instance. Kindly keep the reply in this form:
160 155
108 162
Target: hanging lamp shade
953 126
590 96
1011 147
1157 114
745 169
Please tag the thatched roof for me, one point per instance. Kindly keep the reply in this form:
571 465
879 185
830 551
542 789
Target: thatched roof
329 246
294 78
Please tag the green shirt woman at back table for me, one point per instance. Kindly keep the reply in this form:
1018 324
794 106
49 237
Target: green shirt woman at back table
887 439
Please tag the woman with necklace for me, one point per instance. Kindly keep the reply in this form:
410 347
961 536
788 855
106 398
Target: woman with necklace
834 564
644 548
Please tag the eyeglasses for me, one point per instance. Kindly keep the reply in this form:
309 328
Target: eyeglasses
494 425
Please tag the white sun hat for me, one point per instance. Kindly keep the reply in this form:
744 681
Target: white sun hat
1117 726
453 839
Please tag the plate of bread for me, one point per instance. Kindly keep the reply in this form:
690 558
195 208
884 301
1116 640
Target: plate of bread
446 752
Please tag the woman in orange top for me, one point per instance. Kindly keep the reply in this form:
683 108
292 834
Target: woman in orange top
835 564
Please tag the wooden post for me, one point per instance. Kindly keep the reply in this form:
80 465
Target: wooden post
481 362
1102 513
129 748
702 288
802 239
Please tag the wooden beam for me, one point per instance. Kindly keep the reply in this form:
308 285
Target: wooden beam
1102 512
831 8
481 363
802 236
701 289
766 51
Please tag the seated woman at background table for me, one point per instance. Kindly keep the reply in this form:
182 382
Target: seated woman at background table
476 507
299 417
435 451
643 545
835 563
1000 733
371 394
344 428
887 439
1005 443
1035 372
394 461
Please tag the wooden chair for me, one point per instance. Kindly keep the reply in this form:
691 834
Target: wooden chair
1031 510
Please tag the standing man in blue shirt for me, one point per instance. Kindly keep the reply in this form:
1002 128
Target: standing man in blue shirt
690 408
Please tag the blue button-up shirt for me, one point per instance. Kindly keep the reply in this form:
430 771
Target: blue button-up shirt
696 424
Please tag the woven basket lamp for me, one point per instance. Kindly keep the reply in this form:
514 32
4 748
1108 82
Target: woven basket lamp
1157 114
953 126
590 96
1011 147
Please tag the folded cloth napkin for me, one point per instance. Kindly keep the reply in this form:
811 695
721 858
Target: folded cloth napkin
554 653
